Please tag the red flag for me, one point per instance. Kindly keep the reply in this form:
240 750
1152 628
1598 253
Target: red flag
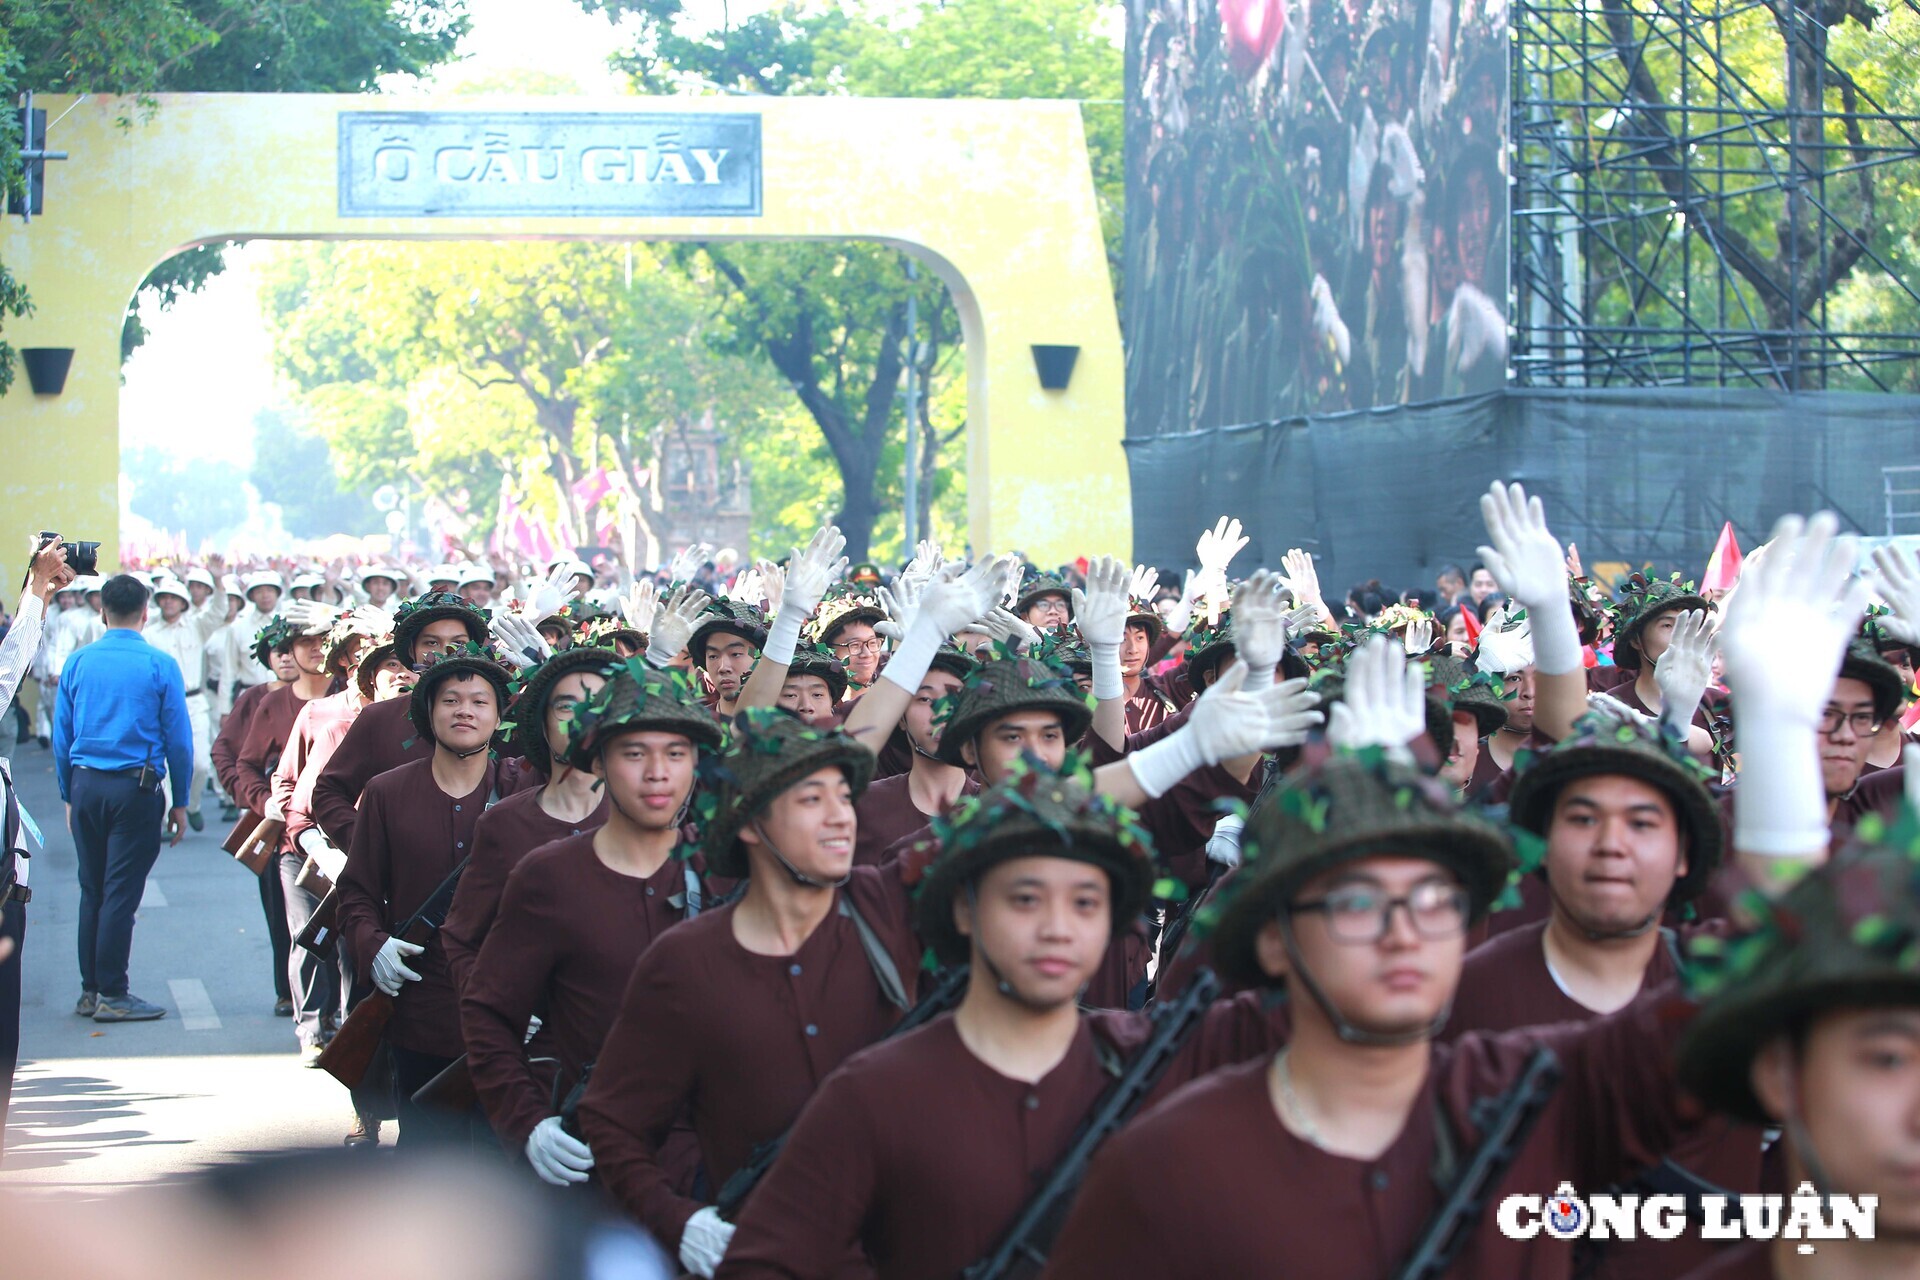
1723 567
1470 620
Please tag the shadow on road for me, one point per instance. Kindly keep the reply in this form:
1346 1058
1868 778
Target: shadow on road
44 1129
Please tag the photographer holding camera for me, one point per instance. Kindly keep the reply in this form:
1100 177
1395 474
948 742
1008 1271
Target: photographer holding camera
48 573
120 735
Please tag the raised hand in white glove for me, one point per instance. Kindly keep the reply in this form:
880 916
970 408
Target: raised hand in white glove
704 1240
1897 579
551 596
1228 720
928 559
1180 617
556 1155
1007 627
1144 582
1385 703
520 642
1686 669
955 599
372 619
688 562
1224 846
1417 638
901 604
1218 546
1607 705
1259 626
809 573
673 624
638 604
1302 580
1101 613
308 614
390 965
1529 563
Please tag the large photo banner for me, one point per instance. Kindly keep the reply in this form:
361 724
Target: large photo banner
1316 207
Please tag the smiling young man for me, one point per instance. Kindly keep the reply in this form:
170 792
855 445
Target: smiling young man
382 737
1031 879
844 625
894 808
416 826
578 913
738 1015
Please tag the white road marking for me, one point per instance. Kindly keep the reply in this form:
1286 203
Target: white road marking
153 897
196 1009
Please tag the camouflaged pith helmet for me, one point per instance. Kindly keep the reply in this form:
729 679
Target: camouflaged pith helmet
429 607
1601 744
748 621
277 634
1641 601
370 664
818 661
468 659
526 716
843 606
638 698
1032 812
1481 696
1008 684
1846 937
1864 663
1044 584
768 750
1340 807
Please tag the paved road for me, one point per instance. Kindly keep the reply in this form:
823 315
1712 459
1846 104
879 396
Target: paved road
98 1106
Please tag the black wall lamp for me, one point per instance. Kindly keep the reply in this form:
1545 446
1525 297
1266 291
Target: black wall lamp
47 368
1055 365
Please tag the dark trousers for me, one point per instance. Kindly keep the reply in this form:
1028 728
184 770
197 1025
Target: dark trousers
13 924
316 983
116 836
273 903
423 1126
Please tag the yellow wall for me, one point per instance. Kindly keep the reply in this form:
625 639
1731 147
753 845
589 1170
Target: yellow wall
996 197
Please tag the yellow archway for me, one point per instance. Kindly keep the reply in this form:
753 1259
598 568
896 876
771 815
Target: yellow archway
997 197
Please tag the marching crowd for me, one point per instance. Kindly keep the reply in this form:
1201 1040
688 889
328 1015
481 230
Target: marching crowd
829 922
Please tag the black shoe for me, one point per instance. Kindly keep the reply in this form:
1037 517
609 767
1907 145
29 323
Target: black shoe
88 1002
227 812
283 1007
195 820
127 1008
44 741
365 1134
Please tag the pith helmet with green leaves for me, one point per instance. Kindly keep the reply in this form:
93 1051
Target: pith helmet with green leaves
525 720
1008 684
768 750
429 607
277 634
466 659
638 698
1643 599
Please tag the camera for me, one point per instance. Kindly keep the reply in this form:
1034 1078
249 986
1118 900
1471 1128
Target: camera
82 557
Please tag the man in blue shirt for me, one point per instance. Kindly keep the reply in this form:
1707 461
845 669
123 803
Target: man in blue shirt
120 736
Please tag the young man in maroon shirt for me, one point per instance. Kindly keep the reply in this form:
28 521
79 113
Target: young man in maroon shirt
1031 879
579 912
896 807
415 827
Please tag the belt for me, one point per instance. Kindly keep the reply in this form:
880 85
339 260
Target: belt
111 773
195 692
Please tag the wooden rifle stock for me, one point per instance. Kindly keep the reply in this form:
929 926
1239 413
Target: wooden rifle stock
451 1090
319 936
944 996
348 1055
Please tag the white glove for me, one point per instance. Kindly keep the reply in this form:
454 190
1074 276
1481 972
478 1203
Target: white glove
1101 612
1417 638
1227 721
544 599
952 601
638 604
1144 583
390 967
556 1155
371 619
1783 638
901 604
1531 566
809 573
520 642
1259 627
533 1028
1607 705
1385 703
673 623
307 615
704 1240
1007 627
687 563
1180 617
1224 847
1218 546
1897 579
1303 580
928 559
749 588
1686 669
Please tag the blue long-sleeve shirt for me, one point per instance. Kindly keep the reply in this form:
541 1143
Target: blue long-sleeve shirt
123 704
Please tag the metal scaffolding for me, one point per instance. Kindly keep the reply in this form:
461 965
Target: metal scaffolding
1701 197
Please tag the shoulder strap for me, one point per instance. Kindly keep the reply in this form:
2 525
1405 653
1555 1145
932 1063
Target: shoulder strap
1445 1169
1671 940
690 899
884 970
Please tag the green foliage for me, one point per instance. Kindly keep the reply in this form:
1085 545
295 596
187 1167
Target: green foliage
199 497
293 467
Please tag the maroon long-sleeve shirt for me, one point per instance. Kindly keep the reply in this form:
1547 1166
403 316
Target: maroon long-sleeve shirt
743 1039
927 1188
569 932
410 836
1505 985
225 750
1210 1183
381 738
507 833
887 816
317 732
259 753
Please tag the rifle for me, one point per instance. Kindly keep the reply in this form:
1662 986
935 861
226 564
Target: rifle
317 937
1022 1251
348 1054
451 1090
1504 1122
944 996
1177 926
253 841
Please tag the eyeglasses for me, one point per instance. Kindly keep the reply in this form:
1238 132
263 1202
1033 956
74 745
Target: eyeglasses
869 645
1361 915
1863 723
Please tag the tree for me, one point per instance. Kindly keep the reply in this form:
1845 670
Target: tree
293 466
197 497
143 47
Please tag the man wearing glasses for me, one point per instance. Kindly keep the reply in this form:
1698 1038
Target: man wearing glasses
845 626
1866 695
